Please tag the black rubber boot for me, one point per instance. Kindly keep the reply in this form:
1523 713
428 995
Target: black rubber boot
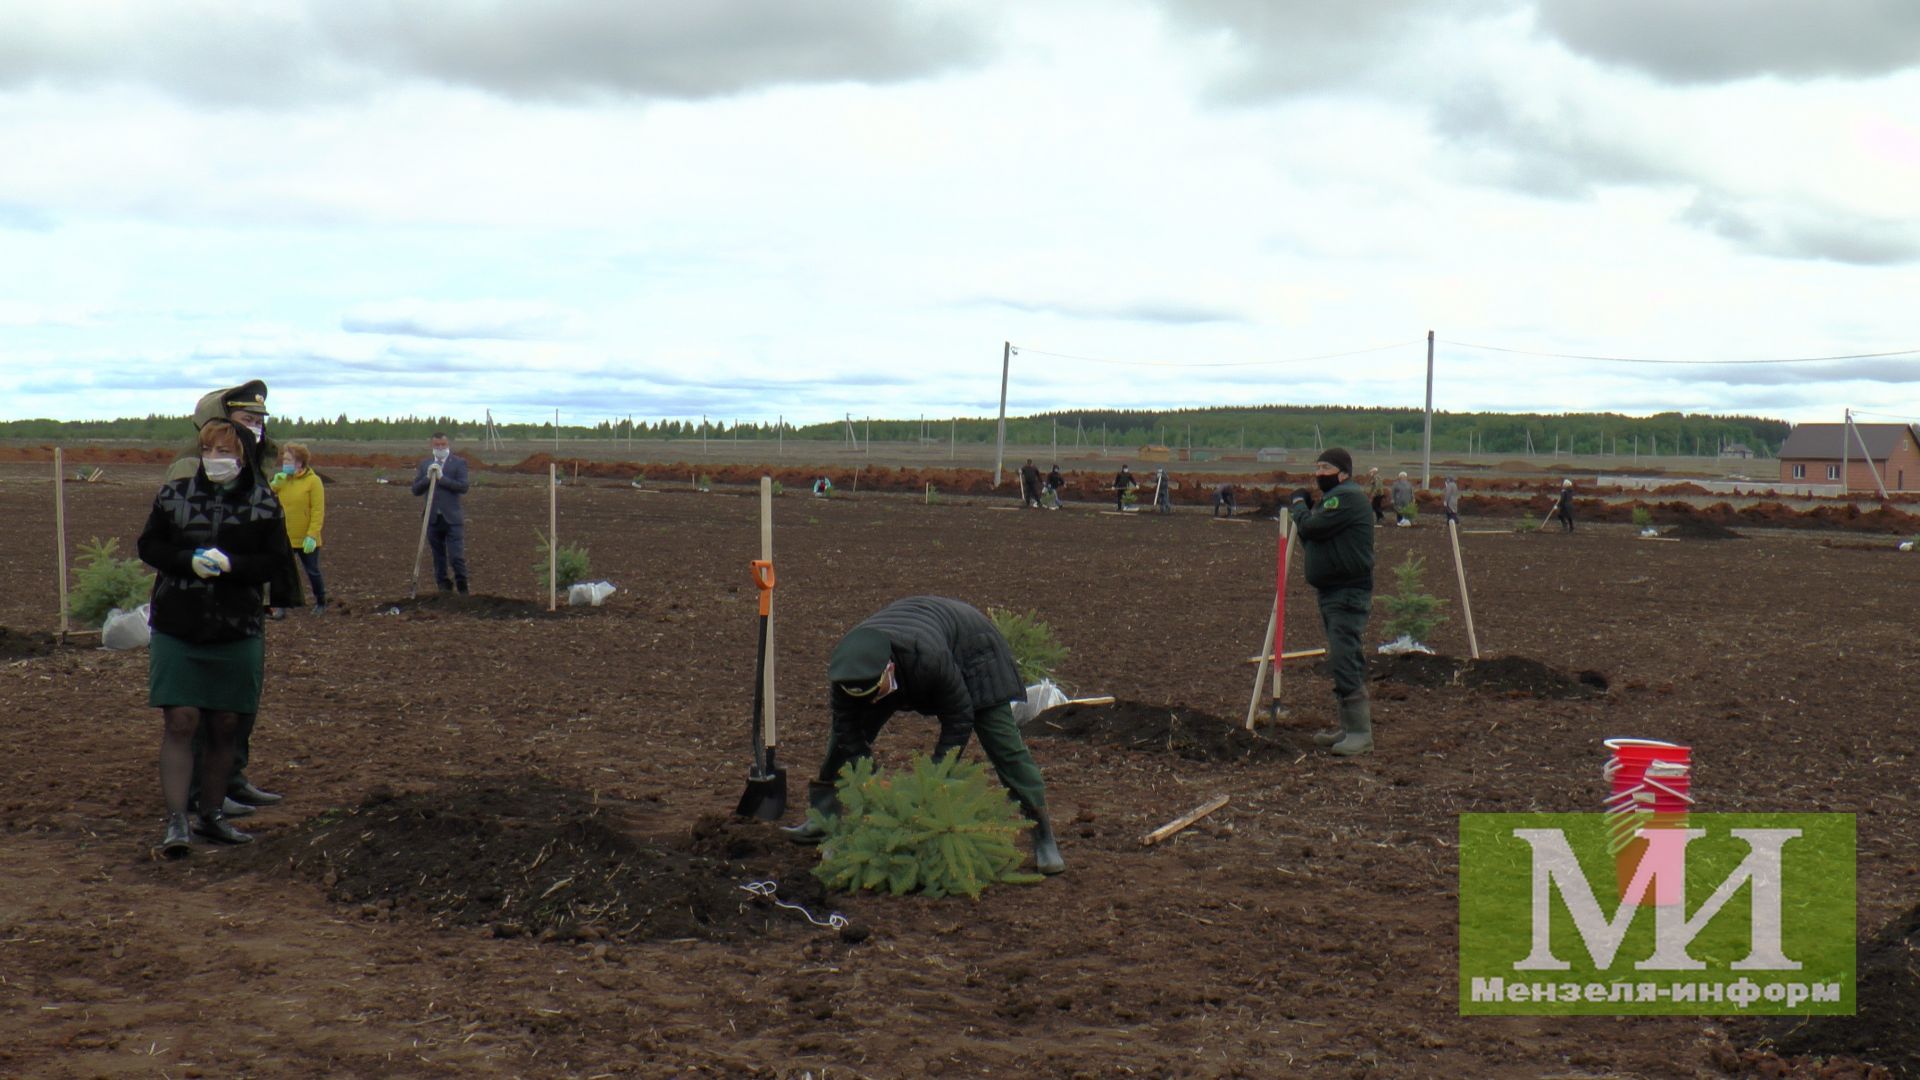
821 796
1356 725
245 792
1046 852
231 809
179 839
215 827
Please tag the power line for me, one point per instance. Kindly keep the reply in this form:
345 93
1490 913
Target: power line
1695 363
1887 416
1228 364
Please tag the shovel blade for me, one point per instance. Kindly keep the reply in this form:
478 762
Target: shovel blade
765 797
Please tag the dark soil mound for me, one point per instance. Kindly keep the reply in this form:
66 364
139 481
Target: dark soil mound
17 644
1167 729
1702 529
1412 669
527 856
476 605
1885 1027
1518 676
1511 676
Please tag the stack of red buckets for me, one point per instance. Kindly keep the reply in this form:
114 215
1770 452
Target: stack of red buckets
1649 782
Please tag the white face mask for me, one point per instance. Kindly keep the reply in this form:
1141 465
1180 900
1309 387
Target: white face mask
259 430
220 469
440 453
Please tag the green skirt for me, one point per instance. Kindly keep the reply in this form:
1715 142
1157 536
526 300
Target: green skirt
224 678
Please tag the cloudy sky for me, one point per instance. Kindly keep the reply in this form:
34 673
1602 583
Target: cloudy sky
751 208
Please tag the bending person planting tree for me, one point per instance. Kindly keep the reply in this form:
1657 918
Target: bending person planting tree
941 658
1338 535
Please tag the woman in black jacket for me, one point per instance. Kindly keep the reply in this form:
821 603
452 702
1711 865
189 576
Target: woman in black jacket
218 540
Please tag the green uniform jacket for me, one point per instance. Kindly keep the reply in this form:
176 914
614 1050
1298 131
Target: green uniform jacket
1338 535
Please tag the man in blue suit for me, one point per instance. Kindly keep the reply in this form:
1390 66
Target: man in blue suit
446 524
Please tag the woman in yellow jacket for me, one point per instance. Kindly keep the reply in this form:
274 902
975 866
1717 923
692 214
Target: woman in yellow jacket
304 499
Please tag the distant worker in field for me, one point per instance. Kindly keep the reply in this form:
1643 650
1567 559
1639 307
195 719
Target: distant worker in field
1339 547
304 499
941 658
245 407
1402 501
1054 483
822 487
1450 499
1162 492
1223 499
446 476
1377 496
1565 507
1030 485
1123 482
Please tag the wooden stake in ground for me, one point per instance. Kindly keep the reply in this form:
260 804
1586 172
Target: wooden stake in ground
426 515
553 538
1184 820
60 532
1460 570
766 555
1271 649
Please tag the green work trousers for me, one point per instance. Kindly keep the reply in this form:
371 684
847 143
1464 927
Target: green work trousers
1343 614
999 737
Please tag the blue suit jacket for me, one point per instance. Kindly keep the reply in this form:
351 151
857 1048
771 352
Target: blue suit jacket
446 493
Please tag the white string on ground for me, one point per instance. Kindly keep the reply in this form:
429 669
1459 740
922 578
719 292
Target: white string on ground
770 890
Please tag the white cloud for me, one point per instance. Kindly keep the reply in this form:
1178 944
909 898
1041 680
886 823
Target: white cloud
508 319
457 220
298 51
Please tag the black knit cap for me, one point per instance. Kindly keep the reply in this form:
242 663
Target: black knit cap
1338 458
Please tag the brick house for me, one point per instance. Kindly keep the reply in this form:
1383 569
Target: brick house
1815 453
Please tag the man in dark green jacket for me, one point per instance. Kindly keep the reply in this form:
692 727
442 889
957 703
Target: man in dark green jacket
1338 536
941 658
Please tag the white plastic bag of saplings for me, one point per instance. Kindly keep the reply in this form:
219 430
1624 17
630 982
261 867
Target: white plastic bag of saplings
126 629
593 592
1041 696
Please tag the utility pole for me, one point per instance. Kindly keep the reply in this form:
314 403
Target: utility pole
1426 450
1000 446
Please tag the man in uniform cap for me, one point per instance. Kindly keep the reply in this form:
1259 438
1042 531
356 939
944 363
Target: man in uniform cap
246 406
1338 537
941 658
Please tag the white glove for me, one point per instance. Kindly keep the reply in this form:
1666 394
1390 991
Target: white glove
433 470
205 567
219 559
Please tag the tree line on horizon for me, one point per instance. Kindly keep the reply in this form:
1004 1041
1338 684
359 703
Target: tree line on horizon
1217 429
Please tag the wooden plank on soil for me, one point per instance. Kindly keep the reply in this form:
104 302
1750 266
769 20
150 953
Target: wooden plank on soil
1184 820
1301 655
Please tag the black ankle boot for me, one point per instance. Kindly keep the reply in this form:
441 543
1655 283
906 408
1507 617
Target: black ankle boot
179 840
214 826
823 797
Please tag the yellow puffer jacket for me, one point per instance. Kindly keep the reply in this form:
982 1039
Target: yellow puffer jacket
304 499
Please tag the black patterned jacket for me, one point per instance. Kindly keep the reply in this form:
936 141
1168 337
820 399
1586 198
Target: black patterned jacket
245 522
